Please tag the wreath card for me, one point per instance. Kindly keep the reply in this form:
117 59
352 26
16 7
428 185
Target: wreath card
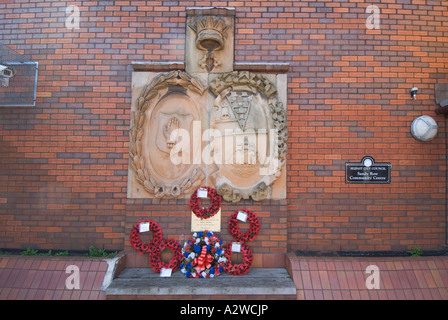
213 223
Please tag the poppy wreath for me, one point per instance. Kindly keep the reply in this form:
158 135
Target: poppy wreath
242 268
205 213
203 256
250 234
141 247
154 257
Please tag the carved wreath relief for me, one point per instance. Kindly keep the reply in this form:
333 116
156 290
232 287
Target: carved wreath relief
163 107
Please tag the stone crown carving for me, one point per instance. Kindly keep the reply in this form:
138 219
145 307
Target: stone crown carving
209 43
209 32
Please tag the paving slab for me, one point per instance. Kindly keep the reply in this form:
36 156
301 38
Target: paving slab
258 281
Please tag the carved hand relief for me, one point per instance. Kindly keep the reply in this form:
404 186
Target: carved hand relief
163 113
168 125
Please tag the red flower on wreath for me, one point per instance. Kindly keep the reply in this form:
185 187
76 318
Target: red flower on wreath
250 234
205 213
154 257
136 242
242 268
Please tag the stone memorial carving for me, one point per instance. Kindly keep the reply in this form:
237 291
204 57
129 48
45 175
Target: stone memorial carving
234 127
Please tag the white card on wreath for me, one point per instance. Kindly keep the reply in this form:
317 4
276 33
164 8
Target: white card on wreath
242 216
236 247
144 227
202 193
165 272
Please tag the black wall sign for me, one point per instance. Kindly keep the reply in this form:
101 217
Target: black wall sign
367 171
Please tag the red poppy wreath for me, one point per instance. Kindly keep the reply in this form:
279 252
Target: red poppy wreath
148 247
238 269
250 234
154 257
205 213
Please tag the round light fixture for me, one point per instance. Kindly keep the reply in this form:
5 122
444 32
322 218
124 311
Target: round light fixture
424 128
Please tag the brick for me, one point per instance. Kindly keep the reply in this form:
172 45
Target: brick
347 98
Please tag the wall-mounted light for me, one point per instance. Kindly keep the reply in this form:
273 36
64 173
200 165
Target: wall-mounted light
414 92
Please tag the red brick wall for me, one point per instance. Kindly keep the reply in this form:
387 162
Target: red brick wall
63 163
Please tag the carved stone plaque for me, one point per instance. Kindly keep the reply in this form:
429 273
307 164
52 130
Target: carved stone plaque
253 119
208 125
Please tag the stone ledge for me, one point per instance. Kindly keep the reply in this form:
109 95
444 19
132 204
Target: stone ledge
211 11
257 282
158 66
261 67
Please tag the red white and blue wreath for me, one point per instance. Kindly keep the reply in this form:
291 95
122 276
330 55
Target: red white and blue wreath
203 256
